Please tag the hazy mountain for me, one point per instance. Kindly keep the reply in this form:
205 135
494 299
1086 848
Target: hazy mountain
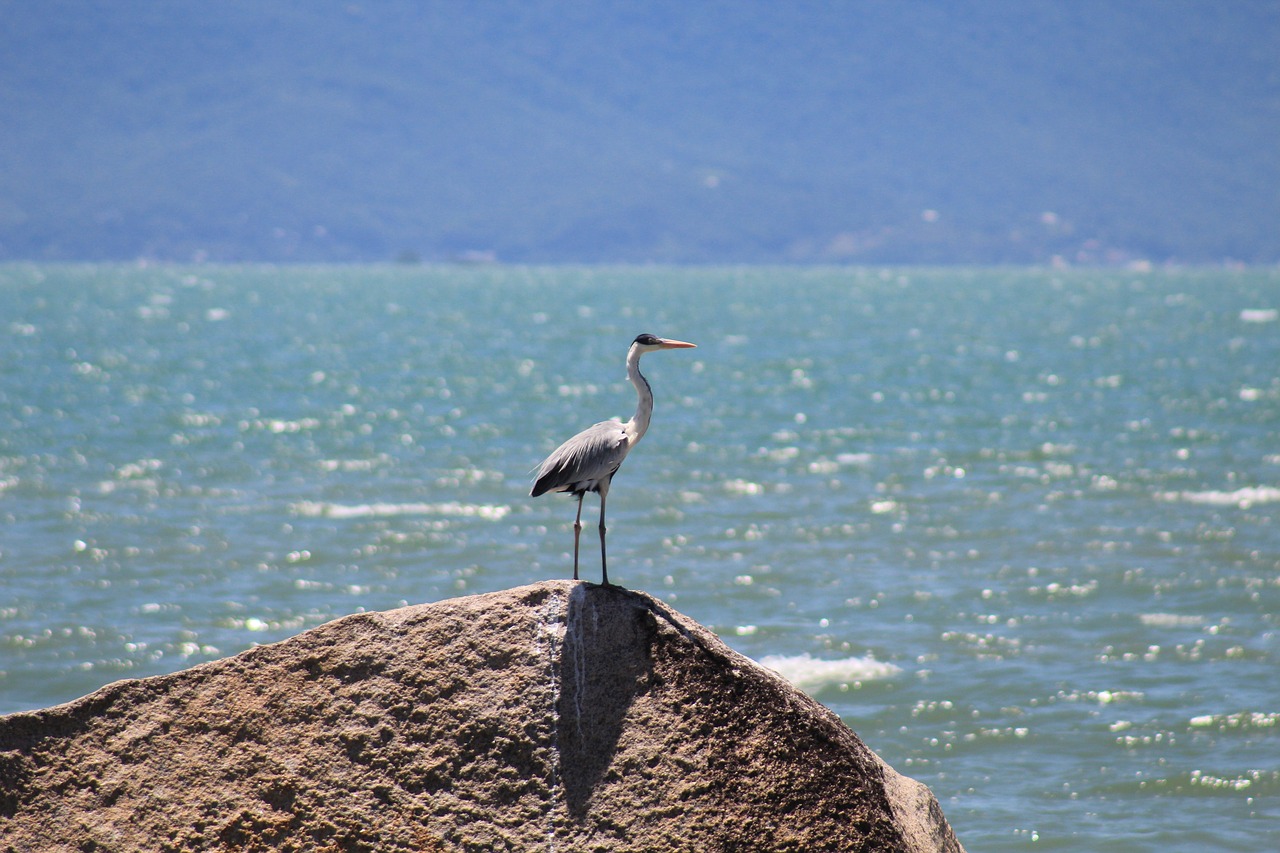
672 131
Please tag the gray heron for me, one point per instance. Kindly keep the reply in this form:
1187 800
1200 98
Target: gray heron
588 461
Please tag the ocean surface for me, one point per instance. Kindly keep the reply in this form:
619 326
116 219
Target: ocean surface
1019 528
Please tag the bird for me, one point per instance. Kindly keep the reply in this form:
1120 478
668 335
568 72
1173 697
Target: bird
588 461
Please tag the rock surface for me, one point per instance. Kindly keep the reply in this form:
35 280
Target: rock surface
558 716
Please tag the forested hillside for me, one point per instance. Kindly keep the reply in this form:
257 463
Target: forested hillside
528 130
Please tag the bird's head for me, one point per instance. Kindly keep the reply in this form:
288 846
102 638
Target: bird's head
649 343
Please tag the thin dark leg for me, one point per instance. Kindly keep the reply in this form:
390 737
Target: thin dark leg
577 532
604 565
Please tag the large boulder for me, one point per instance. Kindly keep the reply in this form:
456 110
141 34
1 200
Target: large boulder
559 716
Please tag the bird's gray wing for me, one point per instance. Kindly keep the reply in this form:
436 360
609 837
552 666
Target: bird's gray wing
582 462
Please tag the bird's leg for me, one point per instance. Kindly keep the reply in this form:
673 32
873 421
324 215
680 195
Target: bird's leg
577 531
604 565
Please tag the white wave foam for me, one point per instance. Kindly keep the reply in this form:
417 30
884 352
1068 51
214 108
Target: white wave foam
810 673
320 509
743 487
857 459
352 464
1259 315
1243 498
1170 620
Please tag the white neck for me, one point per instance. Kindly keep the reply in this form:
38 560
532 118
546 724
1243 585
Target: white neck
639 423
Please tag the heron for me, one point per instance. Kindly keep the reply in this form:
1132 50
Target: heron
588 461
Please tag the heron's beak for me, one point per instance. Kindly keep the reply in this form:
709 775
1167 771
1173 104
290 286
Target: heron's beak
667 343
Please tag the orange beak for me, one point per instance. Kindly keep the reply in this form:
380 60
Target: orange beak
667 343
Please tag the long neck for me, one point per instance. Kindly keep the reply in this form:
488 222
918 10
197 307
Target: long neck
639 423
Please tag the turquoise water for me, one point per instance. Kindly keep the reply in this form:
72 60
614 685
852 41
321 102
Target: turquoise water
1020 529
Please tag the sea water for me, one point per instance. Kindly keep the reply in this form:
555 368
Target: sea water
1019 528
